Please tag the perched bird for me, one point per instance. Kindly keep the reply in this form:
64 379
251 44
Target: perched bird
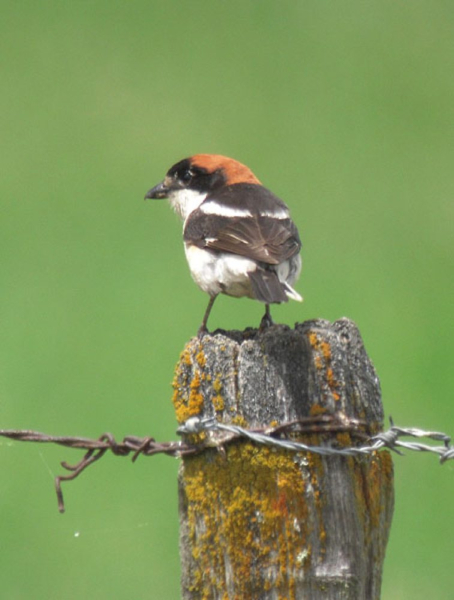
238 236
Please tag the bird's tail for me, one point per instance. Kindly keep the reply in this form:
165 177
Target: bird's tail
291 293
267 287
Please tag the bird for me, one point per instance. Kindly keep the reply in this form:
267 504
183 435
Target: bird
239 238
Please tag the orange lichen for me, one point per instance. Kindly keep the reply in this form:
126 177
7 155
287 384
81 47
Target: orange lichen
240 421
326 350
187 397
195 397
313 339
191 384
201 358
218 400
217 383
323 363
218 403
185 356
344 439
329 376
373 480
252 504
179 401
316 410
188 407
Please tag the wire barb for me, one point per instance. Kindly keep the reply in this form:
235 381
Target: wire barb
217 435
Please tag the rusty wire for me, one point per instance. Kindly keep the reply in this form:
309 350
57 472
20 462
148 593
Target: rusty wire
217 435
96 449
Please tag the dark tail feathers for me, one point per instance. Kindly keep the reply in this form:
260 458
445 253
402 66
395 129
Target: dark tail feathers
267 287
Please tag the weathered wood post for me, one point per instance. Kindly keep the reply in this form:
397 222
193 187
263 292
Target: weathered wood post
259 522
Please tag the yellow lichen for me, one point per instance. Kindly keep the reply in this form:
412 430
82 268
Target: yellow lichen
185 356
326 350
313 339
217 383
201 358
316 410
322 362
373 481
344 439
188 376
252 504
195 403
240 421
218 403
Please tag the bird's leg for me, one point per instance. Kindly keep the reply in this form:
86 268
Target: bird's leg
266 321
203 328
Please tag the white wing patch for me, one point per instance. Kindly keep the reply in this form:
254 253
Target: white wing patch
279 214
220 210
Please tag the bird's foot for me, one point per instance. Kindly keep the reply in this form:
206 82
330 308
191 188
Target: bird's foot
202 331
266 321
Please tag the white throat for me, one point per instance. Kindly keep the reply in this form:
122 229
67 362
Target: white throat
184 202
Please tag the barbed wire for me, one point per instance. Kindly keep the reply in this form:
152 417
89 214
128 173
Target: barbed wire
386 439
203 433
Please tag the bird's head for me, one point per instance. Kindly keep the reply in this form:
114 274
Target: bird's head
191 180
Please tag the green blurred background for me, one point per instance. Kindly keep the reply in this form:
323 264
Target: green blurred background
345 110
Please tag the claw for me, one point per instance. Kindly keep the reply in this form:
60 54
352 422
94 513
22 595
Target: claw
202 331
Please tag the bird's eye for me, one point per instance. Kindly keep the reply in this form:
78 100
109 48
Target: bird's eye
187 175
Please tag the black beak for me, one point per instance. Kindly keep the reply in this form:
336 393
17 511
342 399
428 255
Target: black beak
159 191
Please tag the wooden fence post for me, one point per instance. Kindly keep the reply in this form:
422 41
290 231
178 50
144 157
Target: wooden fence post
259 522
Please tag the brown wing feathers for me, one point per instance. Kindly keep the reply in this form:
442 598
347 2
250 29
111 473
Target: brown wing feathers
259 229
258 238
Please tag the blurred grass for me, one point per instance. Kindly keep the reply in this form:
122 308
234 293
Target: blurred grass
346 112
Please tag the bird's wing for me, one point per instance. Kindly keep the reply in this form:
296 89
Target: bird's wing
261 231
258 238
